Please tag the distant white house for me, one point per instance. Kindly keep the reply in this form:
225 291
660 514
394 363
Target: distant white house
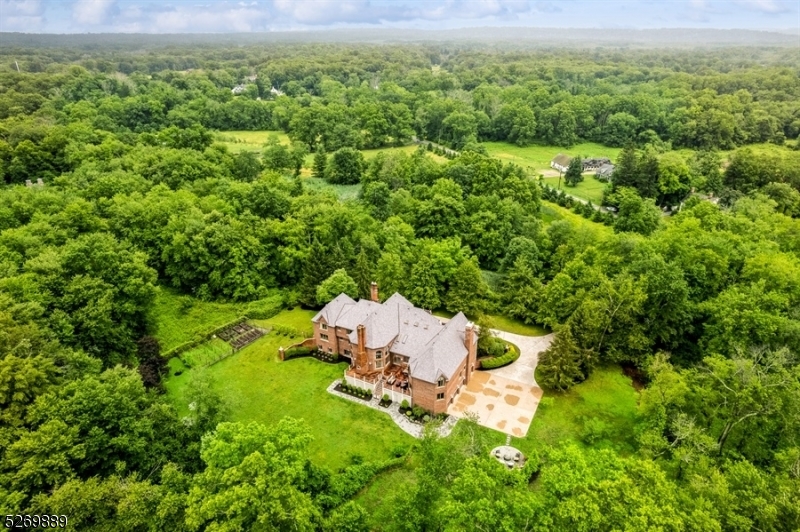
560 162
238 89
276 92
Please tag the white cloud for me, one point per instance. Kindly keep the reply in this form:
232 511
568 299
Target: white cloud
21 15
766 6
91 12
209 18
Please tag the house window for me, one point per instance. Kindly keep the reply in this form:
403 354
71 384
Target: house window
379 364
347 352
440 383
440 395
324 326
378 355
330 350
324 337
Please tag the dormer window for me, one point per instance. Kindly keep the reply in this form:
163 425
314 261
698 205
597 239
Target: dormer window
324 326
440 383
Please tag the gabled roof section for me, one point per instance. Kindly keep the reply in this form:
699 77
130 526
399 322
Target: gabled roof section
443 353
561 159
354 315
334 309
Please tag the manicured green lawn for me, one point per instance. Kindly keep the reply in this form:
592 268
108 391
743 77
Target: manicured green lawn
178 318
590 189
515 326
607 395
538 157
503 323
259 387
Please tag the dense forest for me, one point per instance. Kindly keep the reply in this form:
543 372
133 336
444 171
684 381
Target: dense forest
116 184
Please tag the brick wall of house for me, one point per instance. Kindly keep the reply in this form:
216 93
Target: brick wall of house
424 393
331 345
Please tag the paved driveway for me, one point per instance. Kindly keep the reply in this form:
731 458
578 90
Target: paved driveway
505 399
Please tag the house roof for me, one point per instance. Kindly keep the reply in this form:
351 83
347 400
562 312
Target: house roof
331 312
561 159
434 348
606 169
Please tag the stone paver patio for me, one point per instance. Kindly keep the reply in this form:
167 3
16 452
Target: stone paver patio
506 398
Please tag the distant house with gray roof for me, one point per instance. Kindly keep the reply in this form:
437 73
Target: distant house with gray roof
397 349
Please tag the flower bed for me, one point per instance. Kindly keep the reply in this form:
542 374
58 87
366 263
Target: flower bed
503 360
360 393
386 402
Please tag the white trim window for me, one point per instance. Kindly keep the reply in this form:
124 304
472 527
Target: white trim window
323 337
440 382
323 326
440 396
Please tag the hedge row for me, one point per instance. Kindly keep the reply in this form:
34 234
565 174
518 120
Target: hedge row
294 352
503 360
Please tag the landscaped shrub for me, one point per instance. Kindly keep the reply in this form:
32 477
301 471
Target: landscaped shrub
494 347
294 352
511 355
418 412
404 405
594 430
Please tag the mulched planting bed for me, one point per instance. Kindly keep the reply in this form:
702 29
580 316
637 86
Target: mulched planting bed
340 388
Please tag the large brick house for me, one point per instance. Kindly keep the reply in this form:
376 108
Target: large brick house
397 349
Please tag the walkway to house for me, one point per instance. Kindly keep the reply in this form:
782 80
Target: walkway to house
506 398
393 411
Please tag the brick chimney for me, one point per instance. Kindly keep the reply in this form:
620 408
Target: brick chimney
472 349
361 351
373 292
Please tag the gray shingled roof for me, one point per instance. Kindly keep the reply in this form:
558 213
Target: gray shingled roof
434 349
443 353
333 310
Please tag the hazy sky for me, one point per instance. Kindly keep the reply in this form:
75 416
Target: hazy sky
80 16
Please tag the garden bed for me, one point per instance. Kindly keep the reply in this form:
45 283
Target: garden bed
511 355
354 391
299 352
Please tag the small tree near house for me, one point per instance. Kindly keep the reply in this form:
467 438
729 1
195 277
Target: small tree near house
574 172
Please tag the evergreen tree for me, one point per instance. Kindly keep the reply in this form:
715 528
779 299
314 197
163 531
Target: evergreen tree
574 174
424 290
625 172
468 291
320 162
315 270
647 174
560 364
522 289
363 274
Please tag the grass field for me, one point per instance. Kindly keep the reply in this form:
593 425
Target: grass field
590 189
259 387
253 141
343 192
206 353
552 212
607 395
538 157
298 319
179 318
